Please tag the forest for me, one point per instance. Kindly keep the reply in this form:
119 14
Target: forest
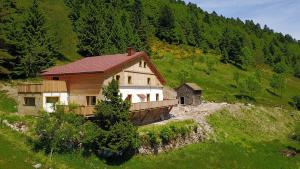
28 46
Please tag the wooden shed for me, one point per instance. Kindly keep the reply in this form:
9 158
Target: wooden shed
189 94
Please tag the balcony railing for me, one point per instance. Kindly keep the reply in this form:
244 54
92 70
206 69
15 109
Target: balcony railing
89 110
153 105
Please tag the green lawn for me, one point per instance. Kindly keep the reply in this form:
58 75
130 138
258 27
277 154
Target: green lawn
7 104
251 138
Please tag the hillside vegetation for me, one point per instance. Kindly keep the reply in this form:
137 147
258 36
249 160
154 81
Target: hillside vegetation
238 143
185 42
182 63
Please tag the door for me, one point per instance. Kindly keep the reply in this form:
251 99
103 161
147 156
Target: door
181 100
50 103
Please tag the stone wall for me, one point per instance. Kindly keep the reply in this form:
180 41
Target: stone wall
193 137
30 110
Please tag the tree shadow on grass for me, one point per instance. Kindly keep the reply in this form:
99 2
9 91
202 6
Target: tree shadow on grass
272 93
245 97
116 159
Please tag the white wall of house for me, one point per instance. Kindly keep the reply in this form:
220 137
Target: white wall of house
63 99
139 90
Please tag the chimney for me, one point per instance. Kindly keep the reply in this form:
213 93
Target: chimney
130 51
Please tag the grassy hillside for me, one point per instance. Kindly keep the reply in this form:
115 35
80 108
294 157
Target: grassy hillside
7 104
238 143
219 84
172 59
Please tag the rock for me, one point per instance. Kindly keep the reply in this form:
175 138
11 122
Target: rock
37 165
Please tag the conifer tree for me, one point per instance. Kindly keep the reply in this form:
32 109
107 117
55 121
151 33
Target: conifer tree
38 47
166 24
118 134
7 9
140 24
93 31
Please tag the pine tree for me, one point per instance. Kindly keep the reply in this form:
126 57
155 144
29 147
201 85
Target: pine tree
93 31
166 24
37 47
118 134
7 9
140 24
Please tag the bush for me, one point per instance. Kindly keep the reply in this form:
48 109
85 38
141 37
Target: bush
154 135
153 138
166 134
58 132
120 139
280 67
296 102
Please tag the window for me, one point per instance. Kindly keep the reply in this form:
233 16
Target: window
129 79
140 64
118 78
91 100
148 97
29 101
55 78
157 97
129 97
145 64
52 99
148 81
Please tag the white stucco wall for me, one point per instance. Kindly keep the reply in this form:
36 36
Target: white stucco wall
135 90
63 99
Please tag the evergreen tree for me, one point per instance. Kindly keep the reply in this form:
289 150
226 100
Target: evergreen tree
118 134
140 24
37 47
93 31
166 24
7 9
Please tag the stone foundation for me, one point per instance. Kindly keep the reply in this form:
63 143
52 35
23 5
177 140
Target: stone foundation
193 137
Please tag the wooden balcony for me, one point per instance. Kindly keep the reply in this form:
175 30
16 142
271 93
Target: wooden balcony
89 110
153 105
44 86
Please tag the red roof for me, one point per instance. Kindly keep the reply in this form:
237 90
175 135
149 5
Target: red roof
100 64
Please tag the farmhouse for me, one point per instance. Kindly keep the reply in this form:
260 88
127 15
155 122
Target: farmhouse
81 82
189 94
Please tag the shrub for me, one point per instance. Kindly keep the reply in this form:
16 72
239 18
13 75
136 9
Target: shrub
58 132
166 134
89 133
280 67
184 130
122 138
153 138
296 102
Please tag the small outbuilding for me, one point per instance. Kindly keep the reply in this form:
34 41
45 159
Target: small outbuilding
189 94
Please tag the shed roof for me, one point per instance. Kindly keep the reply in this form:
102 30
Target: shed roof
193 86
